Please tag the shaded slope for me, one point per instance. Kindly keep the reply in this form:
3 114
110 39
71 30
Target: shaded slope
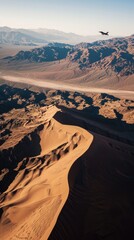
48 53
37 152
102 113
100 201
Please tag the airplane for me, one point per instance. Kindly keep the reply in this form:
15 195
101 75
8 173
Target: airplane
103 33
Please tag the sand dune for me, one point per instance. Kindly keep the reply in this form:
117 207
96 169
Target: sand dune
57 180
100 201
36 194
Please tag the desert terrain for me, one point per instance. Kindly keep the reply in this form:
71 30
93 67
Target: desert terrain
106 65
66 137
11 50
66 164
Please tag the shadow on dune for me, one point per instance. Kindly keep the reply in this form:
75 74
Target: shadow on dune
91 120
29 146
100 201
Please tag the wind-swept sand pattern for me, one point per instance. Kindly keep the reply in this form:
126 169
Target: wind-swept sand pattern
32 202
53 183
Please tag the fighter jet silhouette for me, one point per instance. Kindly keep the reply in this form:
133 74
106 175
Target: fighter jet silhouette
103 33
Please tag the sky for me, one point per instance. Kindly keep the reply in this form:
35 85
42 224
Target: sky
84 17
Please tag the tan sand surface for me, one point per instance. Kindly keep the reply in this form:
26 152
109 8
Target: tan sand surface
32 202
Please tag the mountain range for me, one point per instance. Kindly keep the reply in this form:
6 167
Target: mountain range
116 54
41 36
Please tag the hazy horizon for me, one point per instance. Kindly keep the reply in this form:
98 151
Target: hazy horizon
53 29
83 18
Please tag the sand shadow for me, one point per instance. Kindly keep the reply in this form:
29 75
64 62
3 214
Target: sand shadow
100 201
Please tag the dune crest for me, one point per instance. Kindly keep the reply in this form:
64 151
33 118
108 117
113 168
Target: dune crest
32 202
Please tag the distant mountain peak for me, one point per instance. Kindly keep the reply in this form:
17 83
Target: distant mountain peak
53 35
